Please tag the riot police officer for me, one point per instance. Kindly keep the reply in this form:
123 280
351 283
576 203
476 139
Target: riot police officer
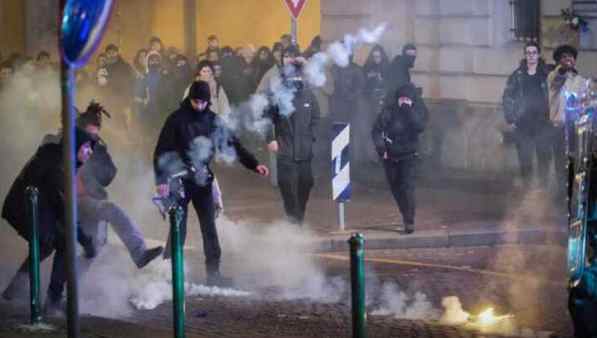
396 138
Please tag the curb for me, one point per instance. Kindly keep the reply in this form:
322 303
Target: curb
446 239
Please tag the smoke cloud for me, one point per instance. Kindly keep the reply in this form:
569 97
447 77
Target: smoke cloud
400 305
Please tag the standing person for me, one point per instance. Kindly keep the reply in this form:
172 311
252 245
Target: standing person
348 88
286 41
377 73
156 45
263 62
45 171
139 87
121 79
159 92
400 68
526 108
396 137
292 138
192 124
219 103
563 79
213 44
182 75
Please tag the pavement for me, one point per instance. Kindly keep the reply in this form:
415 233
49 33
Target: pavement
452 213
452 210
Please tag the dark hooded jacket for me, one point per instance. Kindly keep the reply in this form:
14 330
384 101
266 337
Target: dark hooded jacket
399 74
295 134
397 129
185 125
519 109
44 171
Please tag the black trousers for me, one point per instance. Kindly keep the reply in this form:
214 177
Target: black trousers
295 179
53 241
203 202
535 143
401 177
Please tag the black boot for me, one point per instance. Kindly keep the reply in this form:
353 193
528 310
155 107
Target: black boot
148 256
54 308
409 228
215 278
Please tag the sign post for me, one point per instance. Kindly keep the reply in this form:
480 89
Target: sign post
81 30
295 7
341 187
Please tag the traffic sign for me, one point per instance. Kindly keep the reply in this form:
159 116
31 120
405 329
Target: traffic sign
295 7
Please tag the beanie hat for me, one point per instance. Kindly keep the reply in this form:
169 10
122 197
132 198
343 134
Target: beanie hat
200 90
408 46
564 49
407 90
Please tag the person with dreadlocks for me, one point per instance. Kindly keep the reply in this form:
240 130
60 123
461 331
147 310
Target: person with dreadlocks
95 210
45 171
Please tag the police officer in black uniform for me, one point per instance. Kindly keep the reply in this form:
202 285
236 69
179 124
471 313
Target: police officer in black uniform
292 136
396 138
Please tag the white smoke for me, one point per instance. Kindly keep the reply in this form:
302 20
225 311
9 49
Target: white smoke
453 312
315 69
153 286
400 305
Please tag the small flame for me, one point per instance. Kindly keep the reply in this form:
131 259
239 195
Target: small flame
488 318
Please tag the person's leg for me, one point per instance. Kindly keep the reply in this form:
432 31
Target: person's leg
18 286
58 275
124 227
406 191
305 183
524 148
287 182
542 145
185 210
391 175
202 199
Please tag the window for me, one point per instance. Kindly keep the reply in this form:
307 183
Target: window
526 19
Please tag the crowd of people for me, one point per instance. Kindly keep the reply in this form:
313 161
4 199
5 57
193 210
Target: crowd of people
140 92
178 104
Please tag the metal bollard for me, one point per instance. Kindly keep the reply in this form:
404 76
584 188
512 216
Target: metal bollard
357 278
178 297
32 205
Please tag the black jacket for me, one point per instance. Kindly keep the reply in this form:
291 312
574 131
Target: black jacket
399 75
397 130
185 125
296 134
44 171
514 99
97 173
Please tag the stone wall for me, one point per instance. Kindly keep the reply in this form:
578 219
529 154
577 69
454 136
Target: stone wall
465 53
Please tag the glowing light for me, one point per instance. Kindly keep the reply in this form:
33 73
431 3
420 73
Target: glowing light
489 318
